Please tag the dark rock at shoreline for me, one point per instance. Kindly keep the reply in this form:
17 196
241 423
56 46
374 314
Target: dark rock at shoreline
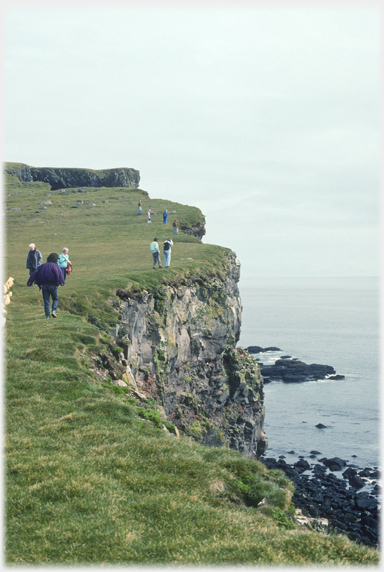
259 350
321 426
292 370
334 462
296 371
324 495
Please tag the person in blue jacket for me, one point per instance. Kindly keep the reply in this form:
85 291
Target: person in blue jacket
48 277
165 216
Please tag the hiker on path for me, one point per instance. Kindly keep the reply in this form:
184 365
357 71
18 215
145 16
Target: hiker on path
63 262
167 252
154 248
48 277
149 215
139 208
165 216
34 258
175 228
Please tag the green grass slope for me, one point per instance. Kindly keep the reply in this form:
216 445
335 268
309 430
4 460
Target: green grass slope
92 475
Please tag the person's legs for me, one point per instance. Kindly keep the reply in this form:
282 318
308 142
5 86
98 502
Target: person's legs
166 258
55 299
46 298
158 259
64 271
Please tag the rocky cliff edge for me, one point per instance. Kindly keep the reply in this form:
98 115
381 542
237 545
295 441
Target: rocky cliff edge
179 345
72 178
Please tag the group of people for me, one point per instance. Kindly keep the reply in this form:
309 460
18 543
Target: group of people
51 274
167 247
165 218
48 276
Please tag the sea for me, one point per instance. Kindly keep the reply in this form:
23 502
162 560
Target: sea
329 321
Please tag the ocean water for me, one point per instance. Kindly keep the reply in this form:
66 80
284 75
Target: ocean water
331 321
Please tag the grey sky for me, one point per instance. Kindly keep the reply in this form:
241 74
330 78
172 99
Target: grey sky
266 119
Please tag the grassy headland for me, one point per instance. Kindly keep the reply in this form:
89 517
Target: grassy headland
92 476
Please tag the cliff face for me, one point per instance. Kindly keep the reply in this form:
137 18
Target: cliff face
180 345
71 178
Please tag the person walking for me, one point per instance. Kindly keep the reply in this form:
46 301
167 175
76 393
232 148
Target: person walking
167 252
165 216
149 215
48 277
63 262
175 227
154 248
34 258
140 211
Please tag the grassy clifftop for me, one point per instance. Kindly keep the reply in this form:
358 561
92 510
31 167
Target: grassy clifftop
92 476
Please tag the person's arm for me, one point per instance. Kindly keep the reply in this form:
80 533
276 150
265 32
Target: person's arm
59 276
39 258
33 277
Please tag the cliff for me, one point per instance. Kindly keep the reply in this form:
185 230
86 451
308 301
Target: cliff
179 344
72 178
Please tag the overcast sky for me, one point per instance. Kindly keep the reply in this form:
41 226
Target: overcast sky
268 119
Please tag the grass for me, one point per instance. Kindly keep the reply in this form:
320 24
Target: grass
92 475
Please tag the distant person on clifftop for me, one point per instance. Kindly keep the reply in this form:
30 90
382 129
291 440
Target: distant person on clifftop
149 215
140 211
34 258
154 248
175 227
63 262
48 277
165 216
167 252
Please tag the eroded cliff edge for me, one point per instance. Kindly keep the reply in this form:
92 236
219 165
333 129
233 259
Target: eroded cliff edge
71 178
179 344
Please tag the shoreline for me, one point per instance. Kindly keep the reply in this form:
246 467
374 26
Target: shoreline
346 495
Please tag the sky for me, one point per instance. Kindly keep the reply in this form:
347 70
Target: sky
265 116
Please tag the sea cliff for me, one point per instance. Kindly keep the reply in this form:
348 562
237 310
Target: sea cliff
179 345
64 178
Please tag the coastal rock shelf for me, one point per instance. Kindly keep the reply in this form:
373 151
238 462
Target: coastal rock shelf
292 370
344 502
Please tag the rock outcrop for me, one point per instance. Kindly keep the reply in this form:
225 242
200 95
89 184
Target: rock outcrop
179 342
72 178
295 371
197 230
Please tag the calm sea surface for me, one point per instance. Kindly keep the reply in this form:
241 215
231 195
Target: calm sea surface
332 321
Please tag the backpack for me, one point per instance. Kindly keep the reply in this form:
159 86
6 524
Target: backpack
166 245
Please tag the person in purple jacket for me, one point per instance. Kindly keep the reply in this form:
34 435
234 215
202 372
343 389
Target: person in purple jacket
48 277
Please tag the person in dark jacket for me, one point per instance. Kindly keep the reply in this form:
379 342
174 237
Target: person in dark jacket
48 277
34 258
